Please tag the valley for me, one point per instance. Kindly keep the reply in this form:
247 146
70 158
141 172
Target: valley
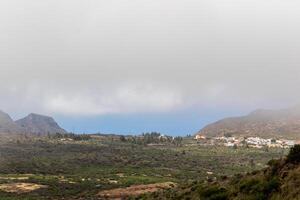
39 160
64 167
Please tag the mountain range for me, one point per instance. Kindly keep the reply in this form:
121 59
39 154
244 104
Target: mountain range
33 123
284 123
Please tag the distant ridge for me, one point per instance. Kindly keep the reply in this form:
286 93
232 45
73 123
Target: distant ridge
39 124
7 125
284 123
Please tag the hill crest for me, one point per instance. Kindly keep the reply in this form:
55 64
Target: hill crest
284 123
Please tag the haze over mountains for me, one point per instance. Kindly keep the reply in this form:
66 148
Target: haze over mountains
284 123
33 124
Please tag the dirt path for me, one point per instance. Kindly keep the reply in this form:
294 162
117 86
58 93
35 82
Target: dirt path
134 190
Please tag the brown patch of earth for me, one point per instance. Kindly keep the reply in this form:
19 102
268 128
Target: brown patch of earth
134 190
20 188
14 178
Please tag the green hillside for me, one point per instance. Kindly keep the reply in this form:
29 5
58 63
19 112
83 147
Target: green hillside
279 181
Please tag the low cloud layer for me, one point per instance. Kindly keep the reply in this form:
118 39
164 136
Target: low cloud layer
79 58
125 99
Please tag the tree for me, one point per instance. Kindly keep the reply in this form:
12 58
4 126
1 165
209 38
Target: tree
122 138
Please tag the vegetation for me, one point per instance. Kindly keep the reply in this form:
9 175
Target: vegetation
153 138
71 136
294 154
279 181
76 167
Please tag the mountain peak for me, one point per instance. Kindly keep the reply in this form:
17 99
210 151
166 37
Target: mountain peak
40 124
38 116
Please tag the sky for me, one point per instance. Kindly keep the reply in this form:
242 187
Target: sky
131 66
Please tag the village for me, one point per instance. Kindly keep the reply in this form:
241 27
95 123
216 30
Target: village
251 142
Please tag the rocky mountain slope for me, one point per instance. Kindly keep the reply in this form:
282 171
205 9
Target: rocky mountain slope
7 125
39 124
283 123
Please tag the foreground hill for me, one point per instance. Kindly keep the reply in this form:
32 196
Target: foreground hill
280 181
7 125
39 124
283 123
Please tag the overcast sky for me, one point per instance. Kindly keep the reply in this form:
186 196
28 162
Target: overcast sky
86 60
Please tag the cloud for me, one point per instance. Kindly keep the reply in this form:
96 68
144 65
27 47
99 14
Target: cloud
125 99
93 57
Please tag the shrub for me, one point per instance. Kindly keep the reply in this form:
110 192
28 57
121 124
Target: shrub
250 185
213 193
273 162
294 154
272 185
260 188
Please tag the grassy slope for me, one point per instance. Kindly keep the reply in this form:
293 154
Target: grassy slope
280 181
